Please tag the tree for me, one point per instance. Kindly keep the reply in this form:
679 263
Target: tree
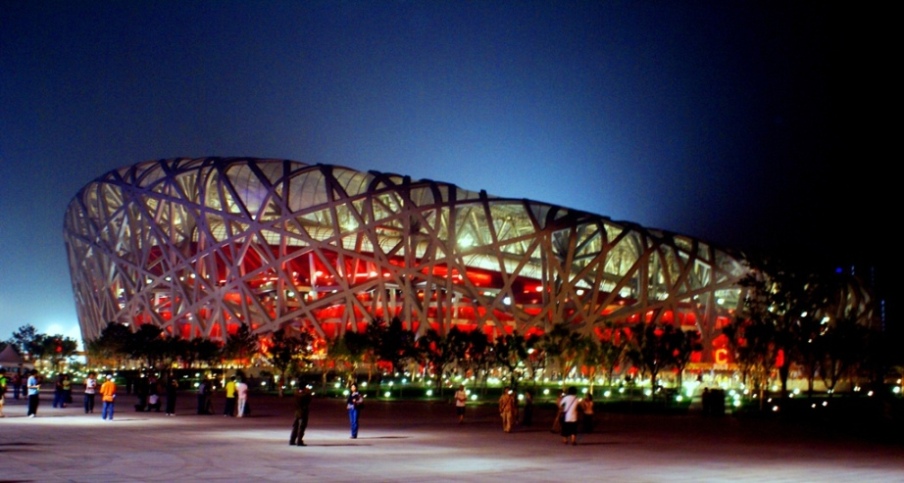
241 346
752 342
563 345
23 338
438 353
536 358
287 351
147 345
58 348
459 343
613 345
797 306
174 349
683 344
477 354
393 343
509 351
844 347
351 350
112 346
39 347
590 356
810 348
202 350
652 348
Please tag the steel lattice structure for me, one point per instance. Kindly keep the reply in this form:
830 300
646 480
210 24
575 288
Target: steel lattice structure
200 246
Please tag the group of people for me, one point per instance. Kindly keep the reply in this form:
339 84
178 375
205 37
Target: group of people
149 394
15 380
236 397
62 393
574 414
107 391
303 397
572 410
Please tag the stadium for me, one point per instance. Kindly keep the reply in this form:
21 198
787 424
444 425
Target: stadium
201 246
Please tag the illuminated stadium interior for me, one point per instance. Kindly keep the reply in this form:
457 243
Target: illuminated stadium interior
200 246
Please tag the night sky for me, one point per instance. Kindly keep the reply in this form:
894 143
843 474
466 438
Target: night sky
761 126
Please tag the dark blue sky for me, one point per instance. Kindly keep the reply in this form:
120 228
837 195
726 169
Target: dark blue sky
754 125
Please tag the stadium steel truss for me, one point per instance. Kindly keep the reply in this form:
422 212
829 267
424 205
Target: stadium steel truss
200 246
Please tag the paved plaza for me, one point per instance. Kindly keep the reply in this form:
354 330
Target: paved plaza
422 441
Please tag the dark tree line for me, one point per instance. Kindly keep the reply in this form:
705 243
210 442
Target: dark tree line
823 326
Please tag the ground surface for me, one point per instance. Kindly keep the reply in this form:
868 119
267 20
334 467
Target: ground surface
420 441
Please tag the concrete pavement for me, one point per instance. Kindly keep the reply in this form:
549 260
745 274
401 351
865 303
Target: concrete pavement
420 441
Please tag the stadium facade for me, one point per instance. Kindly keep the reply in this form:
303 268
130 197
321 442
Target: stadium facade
201 246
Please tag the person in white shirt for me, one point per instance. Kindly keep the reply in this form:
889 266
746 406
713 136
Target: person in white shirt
569 405
90 391
461 400
241 391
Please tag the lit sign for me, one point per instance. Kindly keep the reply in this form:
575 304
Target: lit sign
720 356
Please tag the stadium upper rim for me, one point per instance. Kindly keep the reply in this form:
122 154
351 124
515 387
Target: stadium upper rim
199 246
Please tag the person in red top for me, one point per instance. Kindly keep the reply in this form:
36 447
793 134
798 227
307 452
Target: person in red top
108 396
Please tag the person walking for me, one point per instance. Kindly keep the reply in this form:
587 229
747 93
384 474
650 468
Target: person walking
461 400
303 397
90 391
353 404
569 407
507 409
241 394
33 390
172 387
108 397
3 383
229 406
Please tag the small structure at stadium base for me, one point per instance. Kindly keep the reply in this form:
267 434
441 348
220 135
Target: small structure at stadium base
201 246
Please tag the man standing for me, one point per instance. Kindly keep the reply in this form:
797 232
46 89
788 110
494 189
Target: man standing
33 389
229 407
461 400
90 391
507 409
108 396
241 392
303 398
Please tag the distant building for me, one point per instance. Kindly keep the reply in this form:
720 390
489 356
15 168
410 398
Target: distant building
201 246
